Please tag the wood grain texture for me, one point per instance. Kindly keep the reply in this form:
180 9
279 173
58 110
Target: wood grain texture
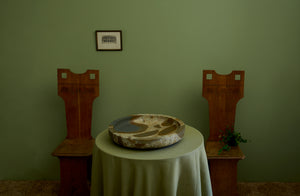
212 150
78 91
75 176
222 93
75 148
223 168
75 152
223 174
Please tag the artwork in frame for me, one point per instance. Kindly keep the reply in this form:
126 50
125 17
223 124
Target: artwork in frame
109 40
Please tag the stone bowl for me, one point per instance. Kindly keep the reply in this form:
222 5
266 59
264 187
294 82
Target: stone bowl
146 131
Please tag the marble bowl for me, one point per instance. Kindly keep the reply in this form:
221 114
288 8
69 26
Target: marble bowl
146 131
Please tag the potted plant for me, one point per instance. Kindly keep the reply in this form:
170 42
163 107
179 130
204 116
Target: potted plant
230 138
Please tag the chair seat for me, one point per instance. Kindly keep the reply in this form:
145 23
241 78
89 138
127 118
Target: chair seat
212 150
75 148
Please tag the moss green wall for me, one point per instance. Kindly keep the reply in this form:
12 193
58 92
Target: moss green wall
167 44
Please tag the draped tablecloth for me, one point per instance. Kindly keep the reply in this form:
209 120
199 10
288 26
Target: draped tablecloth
177 170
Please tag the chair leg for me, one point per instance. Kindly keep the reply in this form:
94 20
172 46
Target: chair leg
74 176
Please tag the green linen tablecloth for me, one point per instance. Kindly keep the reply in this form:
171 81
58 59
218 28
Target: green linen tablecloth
180 169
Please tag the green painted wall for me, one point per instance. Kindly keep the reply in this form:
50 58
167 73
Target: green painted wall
167 44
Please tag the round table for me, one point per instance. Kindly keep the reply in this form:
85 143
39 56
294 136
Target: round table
179 169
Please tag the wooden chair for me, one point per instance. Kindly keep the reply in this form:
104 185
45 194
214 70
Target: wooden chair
75 152
222 93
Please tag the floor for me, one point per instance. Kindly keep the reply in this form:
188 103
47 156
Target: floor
50 188
272 189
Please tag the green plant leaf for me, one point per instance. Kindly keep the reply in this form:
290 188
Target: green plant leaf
228 138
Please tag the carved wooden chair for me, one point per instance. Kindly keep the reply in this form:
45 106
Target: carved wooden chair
222 93
75 152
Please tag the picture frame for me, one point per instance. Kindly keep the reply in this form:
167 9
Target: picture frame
109 40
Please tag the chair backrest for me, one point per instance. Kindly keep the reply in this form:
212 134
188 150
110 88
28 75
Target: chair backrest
78 91
222 93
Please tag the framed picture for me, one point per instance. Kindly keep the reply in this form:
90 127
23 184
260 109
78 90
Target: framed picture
109 40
